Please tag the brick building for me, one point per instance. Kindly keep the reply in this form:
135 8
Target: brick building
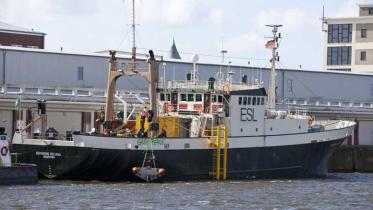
11 35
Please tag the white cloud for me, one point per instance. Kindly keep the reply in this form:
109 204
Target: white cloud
24 11
249 42
291 19
253 41
176 13
216 16
346 9
170 12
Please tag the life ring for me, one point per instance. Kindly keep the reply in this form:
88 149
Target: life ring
310 121
170 108
197 107
226 88
214 108
4 151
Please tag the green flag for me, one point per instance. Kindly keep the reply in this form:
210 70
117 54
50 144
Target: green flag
18 104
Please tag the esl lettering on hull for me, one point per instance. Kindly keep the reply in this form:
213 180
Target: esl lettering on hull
248 114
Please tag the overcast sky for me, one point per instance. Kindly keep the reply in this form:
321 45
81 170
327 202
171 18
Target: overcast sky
199 26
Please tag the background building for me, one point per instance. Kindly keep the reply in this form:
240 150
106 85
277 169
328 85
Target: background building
74 86
15 36
349 42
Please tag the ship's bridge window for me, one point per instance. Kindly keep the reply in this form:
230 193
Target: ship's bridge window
262 101
244 100
239 100
220 98
254 100
190 97
162 97
258 101
198 97
249 100
213 98
183 97
174 97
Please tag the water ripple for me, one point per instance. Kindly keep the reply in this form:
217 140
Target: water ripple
338 191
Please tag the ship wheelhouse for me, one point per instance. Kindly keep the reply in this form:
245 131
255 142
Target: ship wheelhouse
194 102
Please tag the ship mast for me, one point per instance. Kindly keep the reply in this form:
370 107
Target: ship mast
133 26
273 44
129 69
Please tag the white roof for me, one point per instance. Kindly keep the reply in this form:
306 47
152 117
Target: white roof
5 27
365 5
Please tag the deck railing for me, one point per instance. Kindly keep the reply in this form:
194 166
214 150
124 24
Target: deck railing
99 94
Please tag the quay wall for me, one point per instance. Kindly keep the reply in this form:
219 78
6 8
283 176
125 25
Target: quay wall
352 158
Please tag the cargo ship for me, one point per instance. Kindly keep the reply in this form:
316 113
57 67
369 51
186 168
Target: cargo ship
190 130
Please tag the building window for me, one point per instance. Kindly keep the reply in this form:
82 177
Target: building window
339 33
363 55
190 97
80 72
213 98
239 100
370 11
198 97
347 69
339 56
363 33
183 97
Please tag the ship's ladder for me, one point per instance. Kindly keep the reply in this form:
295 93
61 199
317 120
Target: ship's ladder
203 123
218 141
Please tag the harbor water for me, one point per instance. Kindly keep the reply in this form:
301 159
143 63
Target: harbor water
337 191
